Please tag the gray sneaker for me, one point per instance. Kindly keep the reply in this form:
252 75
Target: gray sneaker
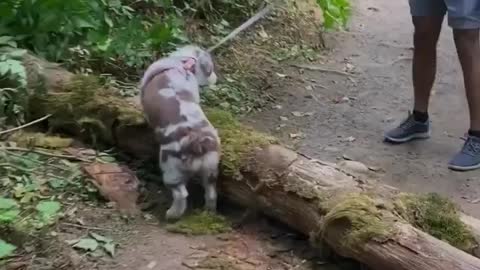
469 157
408 130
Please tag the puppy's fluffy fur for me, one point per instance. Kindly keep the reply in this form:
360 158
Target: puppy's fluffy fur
189 144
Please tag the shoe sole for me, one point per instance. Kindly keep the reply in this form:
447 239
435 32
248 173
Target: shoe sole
462 168
416 136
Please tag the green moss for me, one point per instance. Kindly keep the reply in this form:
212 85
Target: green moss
436 216
200 223
237 140
360 216
85 106
37 139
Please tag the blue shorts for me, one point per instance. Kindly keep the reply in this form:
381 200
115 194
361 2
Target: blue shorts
462 14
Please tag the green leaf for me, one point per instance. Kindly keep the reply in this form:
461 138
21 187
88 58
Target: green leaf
48 210
101 238
110 248
17 53
6 249
108 21
87 244
56 183
5 40
9 215
7 203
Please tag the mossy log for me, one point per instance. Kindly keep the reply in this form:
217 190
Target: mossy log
372 223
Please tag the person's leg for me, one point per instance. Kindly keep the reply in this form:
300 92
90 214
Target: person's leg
427 16
464 18
425 39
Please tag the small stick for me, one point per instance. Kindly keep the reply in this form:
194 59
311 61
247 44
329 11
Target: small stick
262 13
317 68
84 227
26 125
45 153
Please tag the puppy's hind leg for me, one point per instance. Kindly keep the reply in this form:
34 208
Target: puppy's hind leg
209 182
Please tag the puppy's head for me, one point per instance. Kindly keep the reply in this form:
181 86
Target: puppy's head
204 68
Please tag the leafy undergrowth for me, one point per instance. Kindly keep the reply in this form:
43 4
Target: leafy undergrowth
200 223
253 66
38 185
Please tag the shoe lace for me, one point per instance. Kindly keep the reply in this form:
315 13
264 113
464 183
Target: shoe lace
408 123
471 147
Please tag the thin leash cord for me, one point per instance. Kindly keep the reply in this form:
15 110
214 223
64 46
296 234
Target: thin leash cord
262 13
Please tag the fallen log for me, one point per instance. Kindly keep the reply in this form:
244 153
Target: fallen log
372 223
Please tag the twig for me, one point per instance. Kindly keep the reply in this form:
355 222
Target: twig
45 153
317 68
25 125
393 45
84 227
262 13
400 59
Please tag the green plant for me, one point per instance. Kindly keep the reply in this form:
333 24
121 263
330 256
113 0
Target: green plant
92 243
109 35
335 12
6 249
13 82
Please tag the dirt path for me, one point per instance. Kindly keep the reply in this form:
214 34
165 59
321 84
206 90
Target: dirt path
375 98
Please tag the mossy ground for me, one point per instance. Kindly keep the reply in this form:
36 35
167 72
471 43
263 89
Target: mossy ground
436 216
200 223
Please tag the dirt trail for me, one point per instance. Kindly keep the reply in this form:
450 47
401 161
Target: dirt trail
378 96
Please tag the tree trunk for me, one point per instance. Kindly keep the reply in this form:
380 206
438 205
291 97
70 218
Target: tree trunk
372 223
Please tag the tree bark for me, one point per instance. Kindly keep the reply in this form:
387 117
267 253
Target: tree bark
356 218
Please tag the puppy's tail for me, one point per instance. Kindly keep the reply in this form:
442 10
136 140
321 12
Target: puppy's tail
199 143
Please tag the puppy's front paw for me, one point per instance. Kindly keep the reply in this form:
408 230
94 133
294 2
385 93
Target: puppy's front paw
211 206
173 214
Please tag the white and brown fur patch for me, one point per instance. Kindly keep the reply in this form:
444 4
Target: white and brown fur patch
189 144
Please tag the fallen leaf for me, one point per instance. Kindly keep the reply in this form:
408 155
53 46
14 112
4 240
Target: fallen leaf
81 152
152 264
48 210
110 248
349 139
117 184
86 244
476 201
283 118
263 34
297 114
296 135
281 75
100 238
